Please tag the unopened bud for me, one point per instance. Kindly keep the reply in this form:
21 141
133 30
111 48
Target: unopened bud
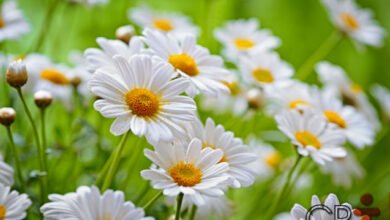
7 116
16 74
254 98
124 33
75 81
43 98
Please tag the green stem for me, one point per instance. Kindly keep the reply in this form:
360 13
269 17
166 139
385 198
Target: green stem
104 171
193 212
43 134
16 158
152 200
322 51
179 203
115 162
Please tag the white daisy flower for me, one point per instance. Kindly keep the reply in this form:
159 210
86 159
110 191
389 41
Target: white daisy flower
355 22
6 173
142 97
242 37
12 23
187 169
235 153
97 58
382 95
88 204
284 216
265 69
343 170
172 23
191 61
311 135
13 205
79 75
336 81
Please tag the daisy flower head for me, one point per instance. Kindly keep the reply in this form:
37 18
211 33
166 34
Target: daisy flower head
13 205
235 153
204 71
172 23
265 69
242 37
355 22
311 135
6 173
382 95
143 98
187 169
97 58
12 23
88 203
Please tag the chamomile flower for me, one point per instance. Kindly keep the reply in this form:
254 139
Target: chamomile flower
382 95
97 58
172 23
336 81
265 69
88 204
355 126
187 169
6 173
355 22
312 136
192 62
12 23
13 205
79 75
142 97
235 153
344 170
242 37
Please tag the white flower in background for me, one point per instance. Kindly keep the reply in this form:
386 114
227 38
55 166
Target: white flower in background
235 153
88 204
284 216
242 37
172 23
344 170
142 97
79 75
187 169
12 23
355 22
90 2
97 58
382 95
336 81
265 69
12 204
6 173
357 129
312 136
191 62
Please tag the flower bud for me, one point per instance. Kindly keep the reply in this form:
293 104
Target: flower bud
16 74
75 81
254 98
43 98
124 33
7 116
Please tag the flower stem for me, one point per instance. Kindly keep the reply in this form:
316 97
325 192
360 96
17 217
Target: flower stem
152 200
115 162
43 134
179 203
193 212
325 48
16 158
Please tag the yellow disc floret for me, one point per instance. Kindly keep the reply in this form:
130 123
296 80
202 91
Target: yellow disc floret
335 118
3 211
163 24
185 63
185 174
349 21
262 75
243 43
142 102
273 159
307 139
54 76
296 103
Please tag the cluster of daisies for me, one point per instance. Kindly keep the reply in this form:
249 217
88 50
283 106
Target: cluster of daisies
147 83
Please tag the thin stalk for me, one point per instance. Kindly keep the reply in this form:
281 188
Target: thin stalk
152 200
16 158
179 203
193 212
43 135
115 162
322 51
104 171
143 191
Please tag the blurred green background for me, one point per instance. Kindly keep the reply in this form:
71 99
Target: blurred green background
302 26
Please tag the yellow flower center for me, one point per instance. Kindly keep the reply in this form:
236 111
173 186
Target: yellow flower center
349 21
142 102
243 43
262 75
296 103
184 63
54 76
185 174
335 118
2 23
355 88
3 211
273 159
163 24
233 87
306 138
204 145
